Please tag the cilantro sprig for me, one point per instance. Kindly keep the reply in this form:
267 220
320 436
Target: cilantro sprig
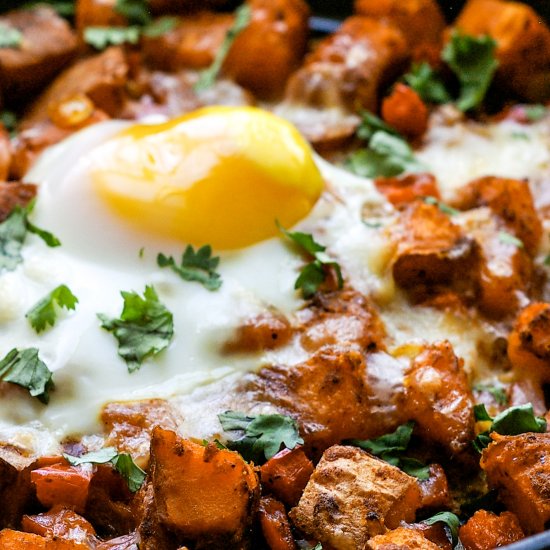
313 274
122 462
197 266
427 83
10 37
513 421
263 436
243 16
391 448
144 329
26 369
44 312
387 153
13 232
136 12
101 37
451 525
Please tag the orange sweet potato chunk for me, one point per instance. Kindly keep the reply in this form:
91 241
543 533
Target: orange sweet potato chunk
202 492
402 538
17 540
519 468
485 530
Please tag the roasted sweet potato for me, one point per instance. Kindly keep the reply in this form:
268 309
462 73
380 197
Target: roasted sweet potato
511 201
129 425
328 396
267 330
338 318
485 530
519 468
60 523
5 153
352 497
402 190
17 540
275 526
202 494
410 16
431 249
348 68
286 475
97 13
14 194
48 45
405 111
402 538
439 399
193 43
529 342
523 43
434 491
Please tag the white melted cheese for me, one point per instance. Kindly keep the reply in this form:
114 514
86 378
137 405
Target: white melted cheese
99 258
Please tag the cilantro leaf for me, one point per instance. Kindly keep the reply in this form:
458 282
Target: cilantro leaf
506 238
535 112
243 16
512 421
26 369
445 208
473 61
10 37
264 435
390 448
122 462
427 83
370 124
498 392
546 260
9 120
451 521
196 266
144 329
101 37
313 274
44 313
160 26
136 12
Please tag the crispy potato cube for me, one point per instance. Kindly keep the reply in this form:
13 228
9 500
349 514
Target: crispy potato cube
519 468
352 497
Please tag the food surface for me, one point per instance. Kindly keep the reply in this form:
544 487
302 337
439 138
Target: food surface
265 289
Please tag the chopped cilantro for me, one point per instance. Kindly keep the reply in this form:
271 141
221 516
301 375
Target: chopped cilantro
370 124
263 436
160 26
473 61
506 238
546 260
10 37
196 266
243 16
44 312
513 421
390 448
136 12
498 392
451 523
101 37
122 462
427 83
534 112
26 369
445 208
520 135
9 120
313 274
318 546
13 231
144 329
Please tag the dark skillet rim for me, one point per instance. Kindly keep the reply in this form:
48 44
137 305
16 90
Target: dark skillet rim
326 25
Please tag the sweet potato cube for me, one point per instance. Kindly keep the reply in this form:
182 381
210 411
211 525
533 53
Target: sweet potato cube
201 492
17 540
485 530
519 468
402 538
352 497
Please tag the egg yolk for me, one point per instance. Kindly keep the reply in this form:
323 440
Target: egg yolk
220 176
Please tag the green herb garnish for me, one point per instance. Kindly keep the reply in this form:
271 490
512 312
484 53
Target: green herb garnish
445 208
312 275
144 329
498 392
123 463
473 61
513 421
534 113
263 436
136 12
451 523
26 369
427 83
101 37
243 16
390 448
44 312
506 238
196 266
10 37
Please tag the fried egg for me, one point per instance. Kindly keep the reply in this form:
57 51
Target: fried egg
117 194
